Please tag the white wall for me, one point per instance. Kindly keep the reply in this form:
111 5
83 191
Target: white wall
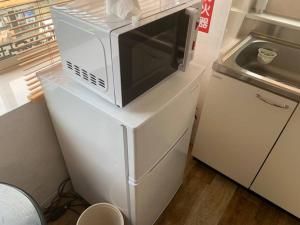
287 8
239 9
209 44
30 155
208 48
227 19
225 25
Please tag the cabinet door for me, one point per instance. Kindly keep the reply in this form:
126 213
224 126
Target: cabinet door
239 125
279 180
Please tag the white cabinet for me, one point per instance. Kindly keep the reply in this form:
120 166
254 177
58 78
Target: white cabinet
279 180
239 125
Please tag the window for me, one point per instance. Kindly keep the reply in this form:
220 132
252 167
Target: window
28 44
27 39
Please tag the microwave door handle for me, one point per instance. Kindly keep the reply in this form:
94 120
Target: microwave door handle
192 32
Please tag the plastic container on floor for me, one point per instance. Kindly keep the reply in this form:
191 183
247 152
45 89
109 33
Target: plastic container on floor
101 214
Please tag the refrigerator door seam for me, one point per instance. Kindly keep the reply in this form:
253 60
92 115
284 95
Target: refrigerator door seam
126 169
134 182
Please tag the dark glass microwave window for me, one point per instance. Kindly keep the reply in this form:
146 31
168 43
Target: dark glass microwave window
150 53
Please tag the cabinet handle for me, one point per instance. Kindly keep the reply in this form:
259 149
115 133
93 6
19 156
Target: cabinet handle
268 101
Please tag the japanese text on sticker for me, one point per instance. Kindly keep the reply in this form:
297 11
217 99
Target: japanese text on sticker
206 15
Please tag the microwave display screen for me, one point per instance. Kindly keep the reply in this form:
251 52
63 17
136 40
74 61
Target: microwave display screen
150 53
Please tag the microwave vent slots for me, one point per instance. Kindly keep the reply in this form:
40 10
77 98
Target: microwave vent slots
85 75
69 65
77 70
101 82
93 79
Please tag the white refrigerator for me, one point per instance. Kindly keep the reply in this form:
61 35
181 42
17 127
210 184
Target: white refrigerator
132 157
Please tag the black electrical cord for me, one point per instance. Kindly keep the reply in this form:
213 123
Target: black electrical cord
63 201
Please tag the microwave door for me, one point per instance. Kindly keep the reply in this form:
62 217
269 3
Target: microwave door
150 53
190 40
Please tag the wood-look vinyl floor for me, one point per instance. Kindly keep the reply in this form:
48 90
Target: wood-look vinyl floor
208 198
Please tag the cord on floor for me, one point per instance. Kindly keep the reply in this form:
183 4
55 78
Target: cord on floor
63 201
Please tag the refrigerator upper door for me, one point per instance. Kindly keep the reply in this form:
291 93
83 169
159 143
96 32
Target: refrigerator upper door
150 141
152 195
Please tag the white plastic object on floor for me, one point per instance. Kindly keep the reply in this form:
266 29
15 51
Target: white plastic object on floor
101 214
266 56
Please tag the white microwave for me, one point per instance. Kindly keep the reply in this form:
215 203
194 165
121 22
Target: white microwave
118 59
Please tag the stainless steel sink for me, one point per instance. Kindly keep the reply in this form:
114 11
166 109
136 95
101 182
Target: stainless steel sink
281 76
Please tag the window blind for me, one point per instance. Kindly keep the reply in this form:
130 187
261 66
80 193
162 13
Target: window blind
40 49
29 25
32 42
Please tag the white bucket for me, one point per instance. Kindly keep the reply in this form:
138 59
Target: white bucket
101 214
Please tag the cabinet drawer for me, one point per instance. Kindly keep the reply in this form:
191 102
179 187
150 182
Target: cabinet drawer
239 125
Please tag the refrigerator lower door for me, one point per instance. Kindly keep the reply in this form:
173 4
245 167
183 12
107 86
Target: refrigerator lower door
151 195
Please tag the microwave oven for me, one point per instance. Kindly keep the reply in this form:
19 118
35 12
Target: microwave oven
119 59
